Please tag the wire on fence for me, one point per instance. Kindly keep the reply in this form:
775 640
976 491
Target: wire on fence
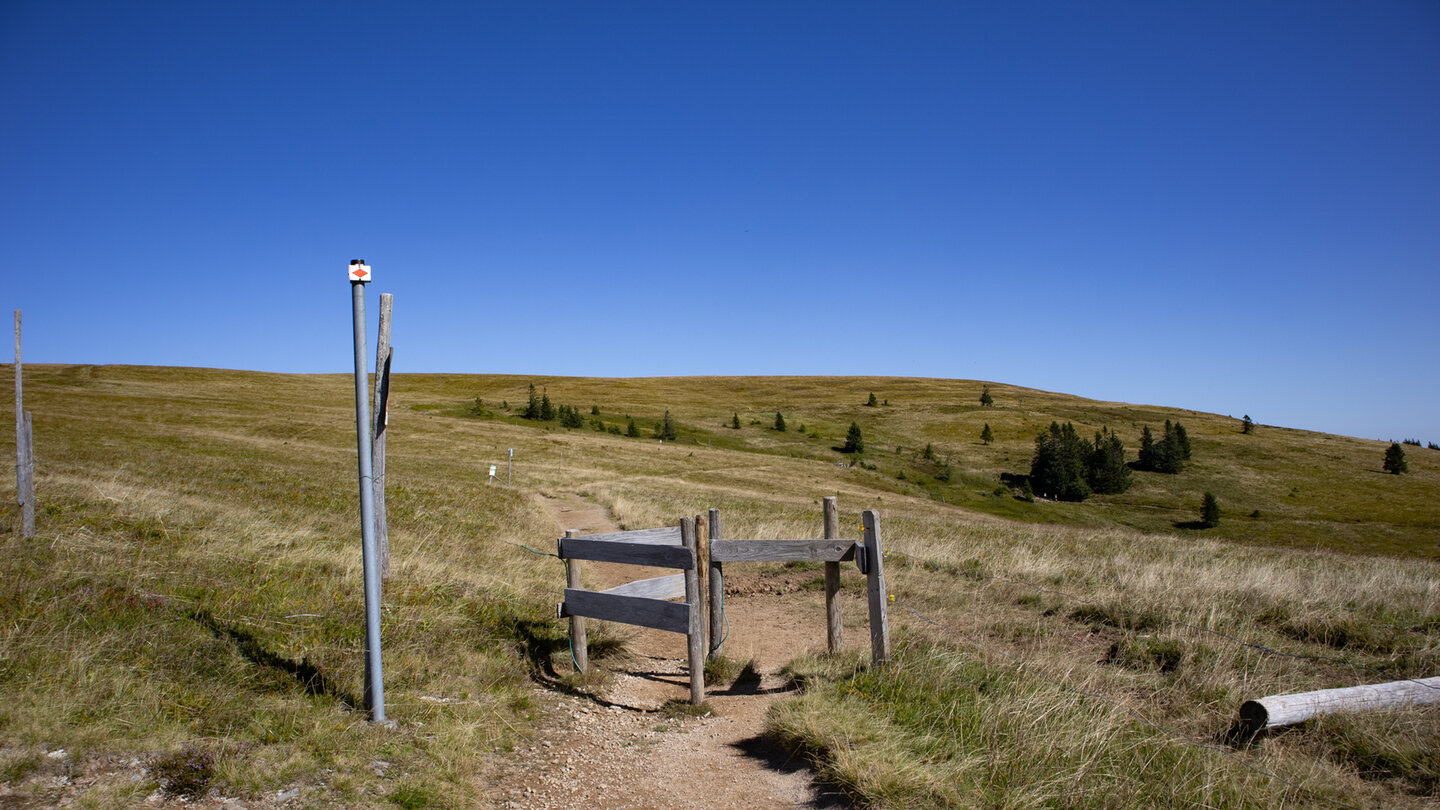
1183 737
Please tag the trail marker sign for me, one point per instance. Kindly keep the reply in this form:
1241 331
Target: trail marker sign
360 271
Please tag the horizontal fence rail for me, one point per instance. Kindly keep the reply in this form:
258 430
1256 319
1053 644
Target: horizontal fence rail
618 551
666 587
638 610
781 550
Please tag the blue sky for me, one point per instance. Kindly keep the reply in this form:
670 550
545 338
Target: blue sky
1226 206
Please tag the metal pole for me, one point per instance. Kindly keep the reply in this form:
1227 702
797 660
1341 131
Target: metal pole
374 678
508 465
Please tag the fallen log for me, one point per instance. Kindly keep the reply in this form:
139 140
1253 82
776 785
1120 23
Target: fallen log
1287 710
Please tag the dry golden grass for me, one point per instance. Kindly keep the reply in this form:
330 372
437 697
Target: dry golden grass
197 581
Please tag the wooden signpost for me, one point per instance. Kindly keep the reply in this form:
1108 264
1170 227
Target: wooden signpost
24 450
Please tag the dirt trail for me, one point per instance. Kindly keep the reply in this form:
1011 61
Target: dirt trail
619 751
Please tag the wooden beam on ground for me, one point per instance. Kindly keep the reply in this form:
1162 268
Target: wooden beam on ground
834 629
657 614
660 556
1287 710
670 586
780 550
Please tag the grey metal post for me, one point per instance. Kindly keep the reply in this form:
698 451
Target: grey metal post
374 677
508 464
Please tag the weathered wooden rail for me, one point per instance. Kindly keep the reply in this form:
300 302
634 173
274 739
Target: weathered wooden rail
643 602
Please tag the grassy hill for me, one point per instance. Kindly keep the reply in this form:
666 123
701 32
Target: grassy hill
194 592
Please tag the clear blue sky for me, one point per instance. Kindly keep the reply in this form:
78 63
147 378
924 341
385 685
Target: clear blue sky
1226 206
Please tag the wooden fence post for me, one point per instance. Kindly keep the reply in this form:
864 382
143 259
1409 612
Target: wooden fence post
834 630
381 415
577 623
879 599
695 637
702 579
24 450
718 629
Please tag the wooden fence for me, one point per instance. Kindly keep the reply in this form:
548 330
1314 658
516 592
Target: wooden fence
646 602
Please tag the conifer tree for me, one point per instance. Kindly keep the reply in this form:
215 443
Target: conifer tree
666 429
854 441
929 453
1058 469
547 410
1247 426
1209 512
987 435
985 399
1395 459
735 421
532 407
631 429
873 402
779 421
1107 473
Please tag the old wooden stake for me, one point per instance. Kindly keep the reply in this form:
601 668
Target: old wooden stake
381 417
879 598
695 638
578 642
718 629
834 630
24 452
702 579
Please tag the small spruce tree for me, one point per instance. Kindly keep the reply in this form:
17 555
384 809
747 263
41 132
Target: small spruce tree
735 421
873 402
1395 459
779 421
532 406
631 429
987 435
547 410
985 399
929 453
666 429
594 410
854 441
1209 512
1106 471
1247 426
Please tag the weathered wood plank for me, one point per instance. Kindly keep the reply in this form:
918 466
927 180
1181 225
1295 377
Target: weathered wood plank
668 536
695 619
380 417
717 590
658 614
670 586
1287 710
780 550
660 556
579 644
834 629
879 597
